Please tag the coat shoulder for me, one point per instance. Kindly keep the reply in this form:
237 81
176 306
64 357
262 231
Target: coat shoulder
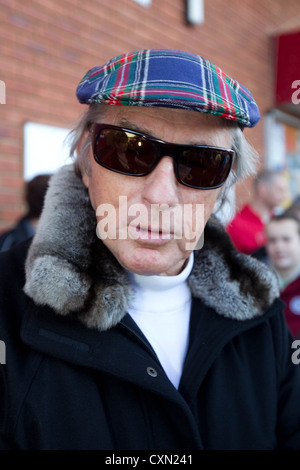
12 279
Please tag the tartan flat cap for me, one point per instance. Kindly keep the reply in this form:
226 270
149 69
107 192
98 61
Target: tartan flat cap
169 78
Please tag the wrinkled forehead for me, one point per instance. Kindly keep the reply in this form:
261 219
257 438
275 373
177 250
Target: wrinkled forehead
169 124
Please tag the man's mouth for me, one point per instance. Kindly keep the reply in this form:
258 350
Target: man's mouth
153 233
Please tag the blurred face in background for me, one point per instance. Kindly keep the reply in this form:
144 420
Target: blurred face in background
274 192
283 245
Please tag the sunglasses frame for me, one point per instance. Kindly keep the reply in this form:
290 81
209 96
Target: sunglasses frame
172 150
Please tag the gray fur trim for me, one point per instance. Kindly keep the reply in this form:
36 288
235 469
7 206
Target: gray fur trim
70 270
60 271
241 289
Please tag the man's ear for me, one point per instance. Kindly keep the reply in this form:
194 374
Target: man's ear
85 178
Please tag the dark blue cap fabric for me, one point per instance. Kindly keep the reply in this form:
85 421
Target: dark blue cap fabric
169 78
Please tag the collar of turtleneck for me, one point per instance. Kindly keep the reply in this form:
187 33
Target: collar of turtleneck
150 291
161 308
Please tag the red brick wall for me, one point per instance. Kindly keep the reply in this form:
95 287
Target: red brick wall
47 45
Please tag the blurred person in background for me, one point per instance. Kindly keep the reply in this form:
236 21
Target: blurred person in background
35 191
294 207
283 249
247 228
147 341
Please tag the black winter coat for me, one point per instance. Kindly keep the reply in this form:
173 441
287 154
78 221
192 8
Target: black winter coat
22 231
89 379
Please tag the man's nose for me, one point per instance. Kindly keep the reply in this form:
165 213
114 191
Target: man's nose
161 186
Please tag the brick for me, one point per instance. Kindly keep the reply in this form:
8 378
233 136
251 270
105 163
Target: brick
9 199
10 215
46 47
10 166
12 182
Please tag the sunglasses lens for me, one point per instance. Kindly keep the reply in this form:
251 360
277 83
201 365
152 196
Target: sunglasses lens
204 168
124 152
131 153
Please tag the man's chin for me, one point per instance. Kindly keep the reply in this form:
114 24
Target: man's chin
153 264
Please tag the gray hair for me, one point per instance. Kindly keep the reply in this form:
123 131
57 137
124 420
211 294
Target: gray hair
245 164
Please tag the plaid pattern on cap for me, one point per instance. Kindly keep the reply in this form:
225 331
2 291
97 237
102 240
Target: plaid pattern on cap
169 78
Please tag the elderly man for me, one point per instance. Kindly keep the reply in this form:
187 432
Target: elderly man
130 329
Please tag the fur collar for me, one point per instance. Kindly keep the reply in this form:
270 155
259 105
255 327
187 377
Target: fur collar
70 270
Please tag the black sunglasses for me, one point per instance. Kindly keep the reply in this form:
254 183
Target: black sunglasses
135 154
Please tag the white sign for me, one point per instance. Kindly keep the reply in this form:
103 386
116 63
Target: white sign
45 149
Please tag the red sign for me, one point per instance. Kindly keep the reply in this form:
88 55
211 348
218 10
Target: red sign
287 57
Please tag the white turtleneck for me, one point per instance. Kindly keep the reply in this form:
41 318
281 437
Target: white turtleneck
161 308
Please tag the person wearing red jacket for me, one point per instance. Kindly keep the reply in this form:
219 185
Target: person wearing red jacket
247 228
